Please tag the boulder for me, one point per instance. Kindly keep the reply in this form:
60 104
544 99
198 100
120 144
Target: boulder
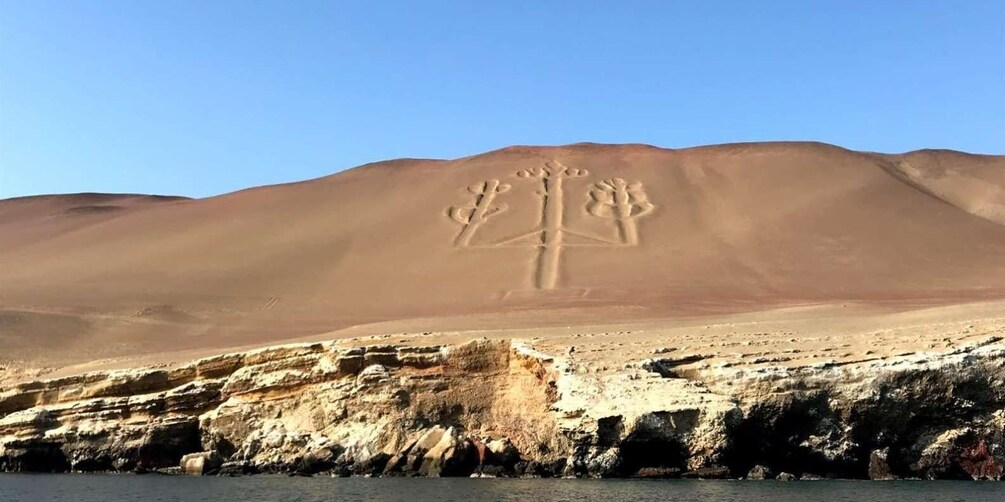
437 452
532 469
879 468
978 462
318 460
409 460
452 455
503 452
201 464
759 472
604 465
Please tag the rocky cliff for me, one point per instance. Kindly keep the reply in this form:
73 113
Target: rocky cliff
505 407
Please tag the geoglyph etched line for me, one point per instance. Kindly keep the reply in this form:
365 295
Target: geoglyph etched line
613 199
472 216
624 202
552 211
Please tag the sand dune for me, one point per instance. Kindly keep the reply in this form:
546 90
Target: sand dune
630 232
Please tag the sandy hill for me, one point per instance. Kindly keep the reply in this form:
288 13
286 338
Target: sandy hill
519 237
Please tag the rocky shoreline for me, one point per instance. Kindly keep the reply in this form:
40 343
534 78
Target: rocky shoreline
502 408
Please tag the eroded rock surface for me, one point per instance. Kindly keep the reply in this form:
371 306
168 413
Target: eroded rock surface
506 408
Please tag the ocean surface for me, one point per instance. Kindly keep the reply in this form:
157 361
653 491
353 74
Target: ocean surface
149 488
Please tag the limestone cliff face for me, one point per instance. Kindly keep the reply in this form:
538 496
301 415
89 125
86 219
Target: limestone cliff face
501 407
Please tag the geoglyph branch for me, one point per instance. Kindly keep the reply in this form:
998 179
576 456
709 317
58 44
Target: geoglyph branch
479 210
552 169
621 201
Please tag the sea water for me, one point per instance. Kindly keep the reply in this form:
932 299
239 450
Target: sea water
150 488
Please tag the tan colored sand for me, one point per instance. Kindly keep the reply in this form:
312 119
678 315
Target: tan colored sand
841 245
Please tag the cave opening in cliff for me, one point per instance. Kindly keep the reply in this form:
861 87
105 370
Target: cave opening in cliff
639 453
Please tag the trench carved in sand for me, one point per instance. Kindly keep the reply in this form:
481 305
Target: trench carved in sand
614 199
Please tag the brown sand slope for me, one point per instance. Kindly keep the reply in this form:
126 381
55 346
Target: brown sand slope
470 243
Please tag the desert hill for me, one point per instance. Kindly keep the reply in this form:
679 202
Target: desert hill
518 237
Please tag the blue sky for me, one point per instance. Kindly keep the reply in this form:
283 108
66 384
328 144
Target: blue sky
204 97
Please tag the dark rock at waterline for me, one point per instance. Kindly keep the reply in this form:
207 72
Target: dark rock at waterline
879 467
658 473
33 456
371 466
168 471
979 463
760 472
490 471
240 468
714 472
786 476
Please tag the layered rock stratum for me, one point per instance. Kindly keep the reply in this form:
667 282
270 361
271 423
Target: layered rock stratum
756 310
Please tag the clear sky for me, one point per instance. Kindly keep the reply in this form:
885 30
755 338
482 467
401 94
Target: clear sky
203 97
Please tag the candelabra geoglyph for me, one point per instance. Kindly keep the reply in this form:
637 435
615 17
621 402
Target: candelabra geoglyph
614 199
